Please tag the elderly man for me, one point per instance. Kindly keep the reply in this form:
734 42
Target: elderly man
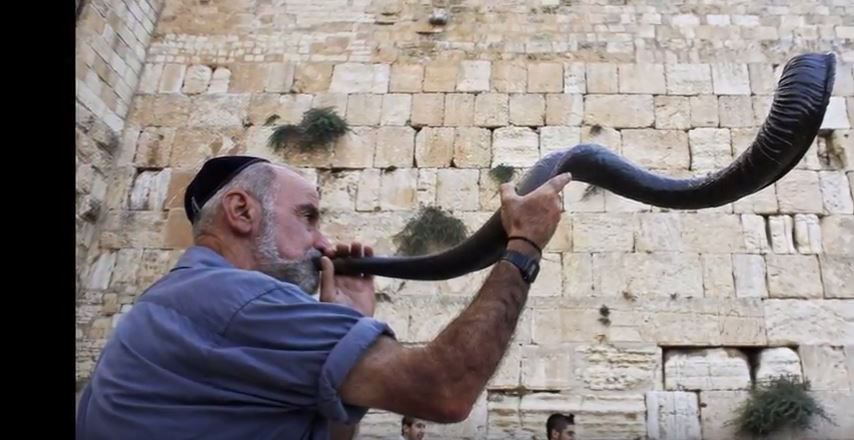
232 344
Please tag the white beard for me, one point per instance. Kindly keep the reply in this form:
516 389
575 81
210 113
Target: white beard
301 272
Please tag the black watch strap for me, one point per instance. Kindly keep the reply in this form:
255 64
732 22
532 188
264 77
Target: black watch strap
529 267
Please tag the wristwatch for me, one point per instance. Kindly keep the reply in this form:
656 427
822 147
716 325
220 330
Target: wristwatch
528 267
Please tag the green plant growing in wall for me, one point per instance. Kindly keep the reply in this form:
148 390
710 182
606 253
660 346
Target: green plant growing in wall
502 173
319 127
776 404
604 315
431 230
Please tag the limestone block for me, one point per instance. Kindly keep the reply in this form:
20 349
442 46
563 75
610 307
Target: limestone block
101 271
706 369
280 77
360 78
617 367
368 191
840 146
604 136
440 76
642 79
491 109
427 109
736 111
578 275
597 415
155 263
473 76
489 196
836 115
837 233
527 110
338 189
150 78
154 146
755 234
149 190
579 198
172 78
716 412
503 416
781 230
657 149
704 110
749 276
617 203
545 78
558 138
603 232
799 192
457 189
363 109
844 84
672 415
398 189
810 322
160 110
718 278
664 273
837 275
609 275
546 367
838 405
835 192
508 375
434 147
761 109
850 104
218 110
316 77
459 109
427 178
762 202
659 232
574 78
178 233
688 79
406 78
509 77
713 233
776 362
672 112
602 78
563 109
197 79
550 279
395 147
619 111
807 234
248 78
825 367
730 79
515 146
472 147
763 79
193 146
395 109
710 148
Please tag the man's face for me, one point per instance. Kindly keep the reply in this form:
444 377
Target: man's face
567 433
415 431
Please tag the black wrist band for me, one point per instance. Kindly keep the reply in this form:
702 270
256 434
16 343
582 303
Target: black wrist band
529 242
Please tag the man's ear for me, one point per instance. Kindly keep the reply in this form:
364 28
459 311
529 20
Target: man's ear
241 212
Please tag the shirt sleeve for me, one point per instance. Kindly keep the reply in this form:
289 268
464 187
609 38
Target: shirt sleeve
296 353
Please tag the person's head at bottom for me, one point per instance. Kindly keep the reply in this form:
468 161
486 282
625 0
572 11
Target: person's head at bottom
560 427
412 428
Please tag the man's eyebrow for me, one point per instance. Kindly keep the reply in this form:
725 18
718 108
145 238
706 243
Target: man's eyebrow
309 209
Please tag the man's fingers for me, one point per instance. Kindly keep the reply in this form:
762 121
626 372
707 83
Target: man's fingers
369 251
561 180
356 249
342 250
327 280
507 190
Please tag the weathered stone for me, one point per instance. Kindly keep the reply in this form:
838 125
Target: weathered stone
149 190
550 272
434 147
406 78
515 146
563 109
837 233
736 111
177 185
704 110
172 78
545 78
395 147
837 276
807 234
155 263
713 233
716 414
150 78
799 191
597 415
718 278
178 233
825 367
664 273
730 79
607 137
837 404
836 115
577 198
364 109
617 367
427 109
508 375
710 148
314 77
578 275
218 110
368 191
397 189
798 321
338 189
427 178
672 112
755 234
603 233
360 78
776 362
355 149
509 77
474 76
527 109
154 147
459 109
220 80
562 238
558 138
440 76
619 111
280 78
101 271
642 78
472 147
706 369
160 110
672 415
835 192
546 367
491 110
659 232
749 276
781 230
248 78
396 109
688 79
609 277
197 79
574 78
763 80
193 146
503 415
657 149
602 78
762 202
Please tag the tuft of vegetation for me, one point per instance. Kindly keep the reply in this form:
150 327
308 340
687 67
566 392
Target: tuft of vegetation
431 230
502 173
590 191
781 402
604 313
319 127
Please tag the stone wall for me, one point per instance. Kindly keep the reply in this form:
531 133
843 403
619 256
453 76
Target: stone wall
646 323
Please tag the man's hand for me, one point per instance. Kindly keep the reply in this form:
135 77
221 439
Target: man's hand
534 216
356 292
